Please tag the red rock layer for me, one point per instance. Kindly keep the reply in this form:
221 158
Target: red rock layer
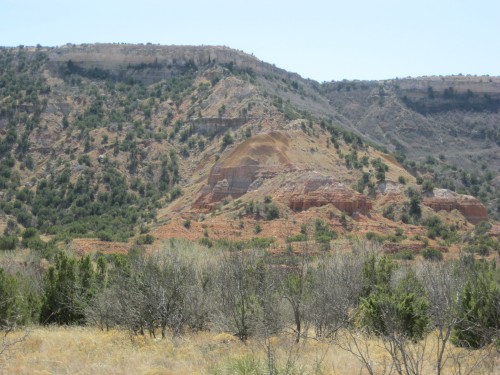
348 203
472 209
318 190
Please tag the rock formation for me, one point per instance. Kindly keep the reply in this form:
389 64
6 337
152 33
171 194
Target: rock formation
315 190
472 209
268 155
215 125
262 156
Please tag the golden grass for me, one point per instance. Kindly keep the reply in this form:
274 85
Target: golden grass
77 350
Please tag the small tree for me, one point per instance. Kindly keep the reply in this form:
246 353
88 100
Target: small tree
296 288
61 300
227 140
335 293
444 284
238 294
479 309
69 287
430 253
399 316
427 187
14 309
394 309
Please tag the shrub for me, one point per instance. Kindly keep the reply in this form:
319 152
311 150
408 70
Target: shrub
389 212
145 240
105 235
380 176
393 310
371 236
254 243
260 242
414 209
399 232
175 193
427 186
84 160
8 242
432 254
323 233
11 229
296 238
478 311
206 242
482 227
227 140
271 211
404 255
436 228
480 249
187 224
29 233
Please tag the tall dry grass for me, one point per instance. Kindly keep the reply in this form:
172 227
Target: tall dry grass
77 350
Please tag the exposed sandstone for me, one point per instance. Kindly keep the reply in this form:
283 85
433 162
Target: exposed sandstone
472 209
316 190
274 154
152 63
215 125
260 157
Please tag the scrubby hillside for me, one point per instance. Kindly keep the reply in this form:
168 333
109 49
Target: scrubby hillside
448 125
114 141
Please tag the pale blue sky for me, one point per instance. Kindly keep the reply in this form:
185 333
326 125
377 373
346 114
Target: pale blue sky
322 40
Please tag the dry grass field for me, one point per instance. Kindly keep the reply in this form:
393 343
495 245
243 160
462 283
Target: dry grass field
74 350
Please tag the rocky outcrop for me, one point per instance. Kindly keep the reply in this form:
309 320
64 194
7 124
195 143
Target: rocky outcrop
275 154
472 209
315 190
231 181
210 126
152 63
260 157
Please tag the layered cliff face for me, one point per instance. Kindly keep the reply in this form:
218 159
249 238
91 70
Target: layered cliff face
259 157
298 177
316 190
151 63
443 199
215 125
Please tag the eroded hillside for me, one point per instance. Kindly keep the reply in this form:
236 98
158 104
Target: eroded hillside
117 141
